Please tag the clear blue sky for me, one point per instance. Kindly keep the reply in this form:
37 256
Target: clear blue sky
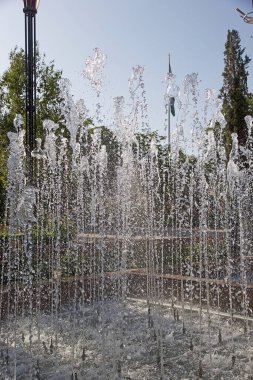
131 32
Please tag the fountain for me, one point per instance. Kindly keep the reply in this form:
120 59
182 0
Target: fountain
128 260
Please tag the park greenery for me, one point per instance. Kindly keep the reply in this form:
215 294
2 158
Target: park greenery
237 103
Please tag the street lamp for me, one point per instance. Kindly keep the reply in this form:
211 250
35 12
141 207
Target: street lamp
31 4
30 10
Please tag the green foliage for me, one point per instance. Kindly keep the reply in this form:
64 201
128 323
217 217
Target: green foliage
109 140
144 140
12 101
12 90
48 93
234 91
250 104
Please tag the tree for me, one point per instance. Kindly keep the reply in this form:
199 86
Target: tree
234 91
12 90
12 101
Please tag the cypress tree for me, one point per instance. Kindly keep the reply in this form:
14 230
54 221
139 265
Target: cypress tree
234 91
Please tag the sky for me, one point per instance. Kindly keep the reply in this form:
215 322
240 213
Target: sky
130 33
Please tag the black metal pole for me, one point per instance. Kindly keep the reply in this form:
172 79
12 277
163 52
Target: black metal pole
30 64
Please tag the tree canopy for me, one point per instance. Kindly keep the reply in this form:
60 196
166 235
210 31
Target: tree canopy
12 102
234 91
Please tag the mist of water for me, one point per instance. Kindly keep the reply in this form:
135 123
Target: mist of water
127 259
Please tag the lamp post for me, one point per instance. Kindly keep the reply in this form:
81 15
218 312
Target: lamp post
30 11
247 17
